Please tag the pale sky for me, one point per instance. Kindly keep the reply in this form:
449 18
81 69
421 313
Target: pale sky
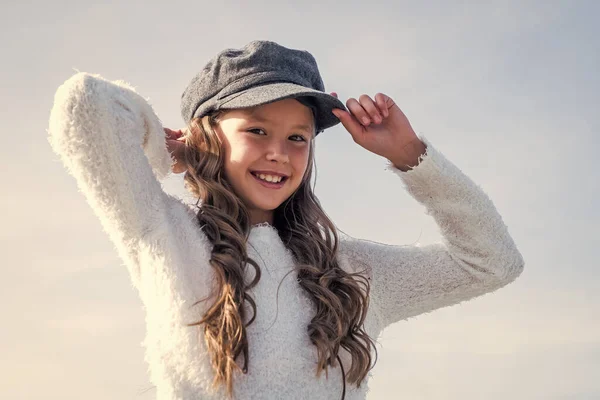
507 90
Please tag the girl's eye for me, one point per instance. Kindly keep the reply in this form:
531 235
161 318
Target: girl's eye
298 138
255 129
295 138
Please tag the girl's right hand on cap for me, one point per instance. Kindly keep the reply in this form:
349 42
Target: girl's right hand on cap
176 145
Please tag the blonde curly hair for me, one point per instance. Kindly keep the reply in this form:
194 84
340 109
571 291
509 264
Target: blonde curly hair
340 298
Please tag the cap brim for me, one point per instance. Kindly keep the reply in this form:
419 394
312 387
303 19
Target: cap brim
269 93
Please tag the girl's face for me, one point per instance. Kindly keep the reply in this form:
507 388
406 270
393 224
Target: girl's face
266 151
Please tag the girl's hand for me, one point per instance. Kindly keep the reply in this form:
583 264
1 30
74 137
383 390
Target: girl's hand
382 128
175 145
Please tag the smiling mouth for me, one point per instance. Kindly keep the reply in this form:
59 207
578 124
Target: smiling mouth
270 184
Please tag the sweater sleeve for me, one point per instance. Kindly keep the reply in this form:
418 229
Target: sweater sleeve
477 254
111 141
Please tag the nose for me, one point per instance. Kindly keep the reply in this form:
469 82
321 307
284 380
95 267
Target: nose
277 151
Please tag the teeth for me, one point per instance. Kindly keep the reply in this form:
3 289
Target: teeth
270 178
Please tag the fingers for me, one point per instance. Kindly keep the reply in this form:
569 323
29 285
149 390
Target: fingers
176 149
173 135
350 123
179 135
382 103
367 110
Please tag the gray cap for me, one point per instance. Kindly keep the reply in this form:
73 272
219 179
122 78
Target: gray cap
261 72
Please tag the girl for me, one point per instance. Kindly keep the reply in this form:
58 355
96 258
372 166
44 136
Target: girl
253 294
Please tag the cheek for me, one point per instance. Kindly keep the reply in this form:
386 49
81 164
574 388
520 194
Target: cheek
239 157
300 159
231 160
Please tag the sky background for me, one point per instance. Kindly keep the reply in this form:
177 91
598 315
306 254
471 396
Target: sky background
507 90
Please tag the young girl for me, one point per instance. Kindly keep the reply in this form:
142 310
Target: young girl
253 294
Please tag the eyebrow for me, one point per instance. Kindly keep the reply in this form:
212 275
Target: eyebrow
259 118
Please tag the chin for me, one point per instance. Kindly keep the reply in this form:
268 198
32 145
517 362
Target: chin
266 206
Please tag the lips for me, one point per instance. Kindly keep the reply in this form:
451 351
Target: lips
267 172
270 185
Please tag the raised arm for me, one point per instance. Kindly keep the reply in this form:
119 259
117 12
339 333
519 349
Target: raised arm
477 255
112 142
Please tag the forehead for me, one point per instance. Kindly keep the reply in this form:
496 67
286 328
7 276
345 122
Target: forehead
287 110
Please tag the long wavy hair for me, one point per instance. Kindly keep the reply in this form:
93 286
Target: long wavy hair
340 298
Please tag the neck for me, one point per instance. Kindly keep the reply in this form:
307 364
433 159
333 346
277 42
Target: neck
261 216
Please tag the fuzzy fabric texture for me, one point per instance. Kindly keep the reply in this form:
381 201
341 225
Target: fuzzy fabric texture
112 142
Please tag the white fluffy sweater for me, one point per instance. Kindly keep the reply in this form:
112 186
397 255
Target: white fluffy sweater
112 142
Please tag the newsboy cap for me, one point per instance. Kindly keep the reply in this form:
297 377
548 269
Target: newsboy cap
259 73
